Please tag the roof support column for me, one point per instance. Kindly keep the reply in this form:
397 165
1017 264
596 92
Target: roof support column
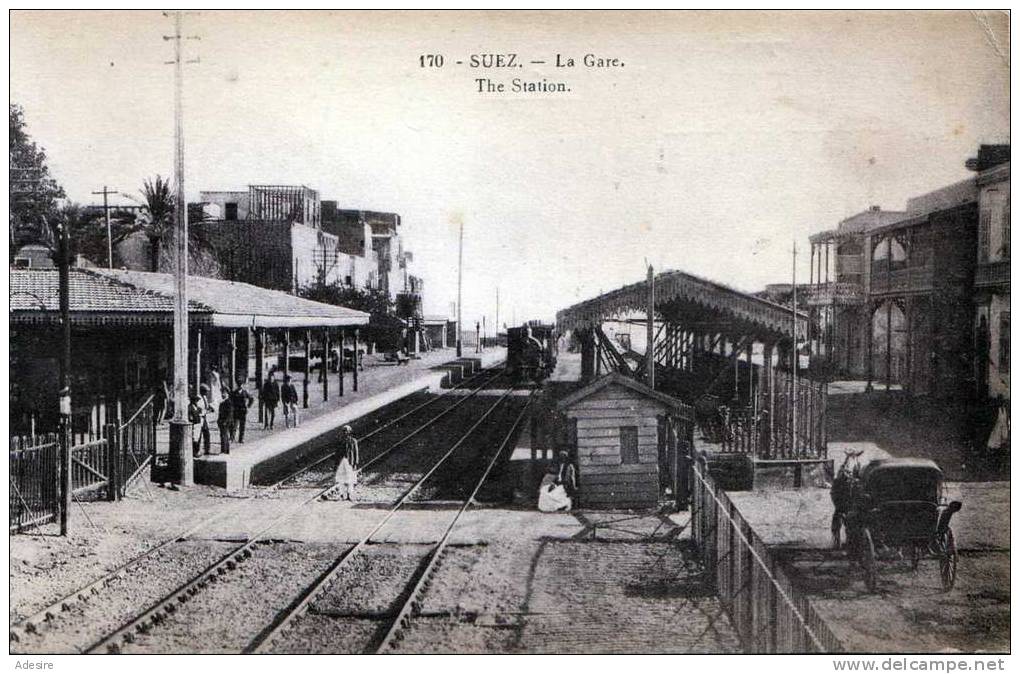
325 364
356 361
735 357
587 353
650 348
770 379
198 361
750 372
233 360
308 368
260 354
888 344
870 334
286 352
340 364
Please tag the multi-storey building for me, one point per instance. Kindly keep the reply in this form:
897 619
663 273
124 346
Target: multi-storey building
265 203
991 279
363 231
892 293
271 236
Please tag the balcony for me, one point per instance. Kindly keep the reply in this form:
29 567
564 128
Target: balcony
849 264
992 274
919 279
838 294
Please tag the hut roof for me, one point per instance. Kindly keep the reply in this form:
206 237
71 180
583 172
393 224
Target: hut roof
628 382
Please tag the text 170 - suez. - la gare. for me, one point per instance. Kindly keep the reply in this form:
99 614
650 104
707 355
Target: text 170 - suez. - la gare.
511 60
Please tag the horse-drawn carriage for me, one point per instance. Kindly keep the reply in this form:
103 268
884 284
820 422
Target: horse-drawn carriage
892 508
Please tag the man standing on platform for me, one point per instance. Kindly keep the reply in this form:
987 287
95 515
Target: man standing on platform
290 402
241 401
270 399
225 419
205 407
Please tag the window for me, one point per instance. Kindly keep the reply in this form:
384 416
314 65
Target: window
984 222
628 444
1004 342
348 281
231 211
1005 230
891 252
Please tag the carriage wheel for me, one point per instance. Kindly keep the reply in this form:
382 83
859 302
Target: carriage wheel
867 559
947 560
835 527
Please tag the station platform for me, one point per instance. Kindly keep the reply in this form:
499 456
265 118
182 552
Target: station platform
269 453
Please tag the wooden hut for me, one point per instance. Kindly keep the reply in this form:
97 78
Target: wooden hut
622 441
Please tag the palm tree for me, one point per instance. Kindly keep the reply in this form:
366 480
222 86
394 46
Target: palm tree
158 217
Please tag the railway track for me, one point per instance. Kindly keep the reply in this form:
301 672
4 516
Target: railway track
41 619
145 622
274 636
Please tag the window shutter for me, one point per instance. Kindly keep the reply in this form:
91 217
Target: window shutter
628 444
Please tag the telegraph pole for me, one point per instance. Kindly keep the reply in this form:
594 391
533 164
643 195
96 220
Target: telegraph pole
460 280
497 316
180 428
650 327
796 358
109 232
64 373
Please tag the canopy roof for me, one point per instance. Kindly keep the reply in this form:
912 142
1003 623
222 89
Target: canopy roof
120 297
689 300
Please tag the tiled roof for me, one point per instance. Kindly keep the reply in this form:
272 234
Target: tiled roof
37 290
139 293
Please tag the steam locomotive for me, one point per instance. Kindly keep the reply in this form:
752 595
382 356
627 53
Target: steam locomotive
531 352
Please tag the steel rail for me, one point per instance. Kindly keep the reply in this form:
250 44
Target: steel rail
168 604
413 604
285 618
425 404
32 623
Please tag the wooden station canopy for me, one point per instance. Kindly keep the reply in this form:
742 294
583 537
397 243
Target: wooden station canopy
695 302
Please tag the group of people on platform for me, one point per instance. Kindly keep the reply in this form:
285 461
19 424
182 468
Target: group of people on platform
230 407
272 395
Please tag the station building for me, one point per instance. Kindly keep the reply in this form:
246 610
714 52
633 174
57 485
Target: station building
122 351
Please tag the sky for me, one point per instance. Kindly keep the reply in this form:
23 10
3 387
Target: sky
723 138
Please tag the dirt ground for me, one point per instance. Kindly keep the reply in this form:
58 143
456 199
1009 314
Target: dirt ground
513 580
910 612
908 426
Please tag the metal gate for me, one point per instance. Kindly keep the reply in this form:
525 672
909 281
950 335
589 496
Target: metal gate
103 467
35 493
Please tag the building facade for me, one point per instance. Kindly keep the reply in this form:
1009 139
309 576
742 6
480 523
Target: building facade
892 294
991 279
361 232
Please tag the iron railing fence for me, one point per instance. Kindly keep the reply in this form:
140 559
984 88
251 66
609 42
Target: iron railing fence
103 466
767 611
34 494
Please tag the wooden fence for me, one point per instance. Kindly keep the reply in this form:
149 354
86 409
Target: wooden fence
769 614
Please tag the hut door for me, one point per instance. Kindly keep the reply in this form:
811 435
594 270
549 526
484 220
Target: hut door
666 459
681 441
